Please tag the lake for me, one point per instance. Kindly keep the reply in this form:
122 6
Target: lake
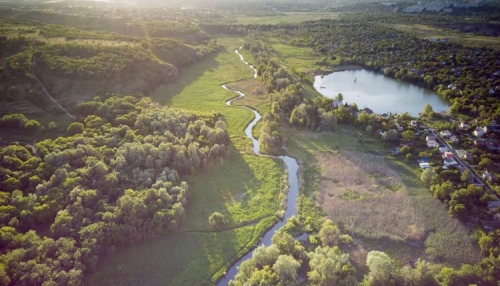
378 92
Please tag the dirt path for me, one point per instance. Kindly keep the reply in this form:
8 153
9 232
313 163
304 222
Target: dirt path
47 93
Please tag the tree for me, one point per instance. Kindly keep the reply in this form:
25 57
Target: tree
32 125
428 110
329 267
427 176
381 268
52 125
408 135
466 176
390 135
75 128
217 220
286 267
485 163
329 233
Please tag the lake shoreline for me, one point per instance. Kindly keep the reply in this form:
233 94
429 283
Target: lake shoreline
377 91
329 70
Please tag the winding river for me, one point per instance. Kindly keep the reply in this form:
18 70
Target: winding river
293 182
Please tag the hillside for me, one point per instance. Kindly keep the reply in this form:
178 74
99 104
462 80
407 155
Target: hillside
75 65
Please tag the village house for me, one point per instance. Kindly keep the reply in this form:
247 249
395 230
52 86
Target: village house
445 133
493 205
424 165
442 150
479 143
432 144
454 139
448 155
413 123
479 132
488 176
448 162
464 125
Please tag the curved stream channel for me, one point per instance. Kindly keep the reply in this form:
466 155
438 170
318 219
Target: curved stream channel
293 182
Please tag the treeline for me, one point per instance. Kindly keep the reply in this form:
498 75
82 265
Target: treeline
114 180
184 29
107 62
321 260
468 77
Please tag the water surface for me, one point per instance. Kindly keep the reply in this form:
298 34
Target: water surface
378 92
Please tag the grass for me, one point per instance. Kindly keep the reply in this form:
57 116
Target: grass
378 200
465 39
244 188
302 59
288 17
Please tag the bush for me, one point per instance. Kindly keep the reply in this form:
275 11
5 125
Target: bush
75 128
217 220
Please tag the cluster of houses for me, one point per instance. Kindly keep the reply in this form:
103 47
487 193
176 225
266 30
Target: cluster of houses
481 139
440 6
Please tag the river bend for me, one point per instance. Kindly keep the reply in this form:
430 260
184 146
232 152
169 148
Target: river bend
293 183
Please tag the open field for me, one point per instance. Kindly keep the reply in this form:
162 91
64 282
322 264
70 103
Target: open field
302 59
379 201
287 17
245 188
466 39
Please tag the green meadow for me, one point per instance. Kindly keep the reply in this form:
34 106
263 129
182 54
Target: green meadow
243 187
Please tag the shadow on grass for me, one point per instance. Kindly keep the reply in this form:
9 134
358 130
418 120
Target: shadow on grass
164 94
197 254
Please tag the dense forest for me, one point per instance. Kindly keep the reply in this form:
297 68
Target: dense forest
115 179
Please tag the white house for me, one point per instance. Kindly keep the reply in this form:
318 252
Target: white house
464 125
424 165
445 133
430 137
432 144
479 132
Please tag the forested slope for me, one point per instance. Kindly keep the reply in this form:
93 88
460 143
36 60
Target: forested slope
115 180
75 65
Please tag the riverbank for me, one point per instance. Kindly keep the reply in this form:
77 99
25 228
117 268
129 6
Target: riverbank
198 254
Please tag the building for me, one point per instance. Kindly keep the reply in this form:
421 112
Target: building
424 165
479 131
445 133
432 144
464 125
448 162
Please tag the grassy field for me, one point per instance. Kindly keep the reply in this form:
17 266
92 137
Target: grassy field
302 59
465 39
287 17
378 200
245 188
